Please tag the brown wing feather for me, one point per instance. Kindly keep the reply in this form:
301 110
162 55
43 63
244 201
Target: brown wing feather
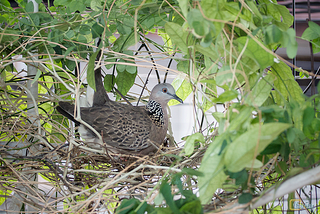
122 126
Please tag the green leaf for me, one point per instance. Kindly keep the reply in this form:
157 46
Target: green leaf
68 51
176 180
35 19
216 10
110 61
241 151
245 198
309 34
244 115
36 77
193 207
25 21
315 27
281 167
76 5
273 34
198 23
183 66
223 146
183 4
190 171
123 29
312 32
207 102
142 208
212 168
165 190
261 91
95 5
287 18
254 164
226 96
158 199
125 81
292 47
263 59
123 42
6 3
253 6
208 189
240 177
207 51
308 116
90 71
232 12
131 69
30 7
272 148
97 30
183 89
59 2
224 76
213 9
303 160
127 205
85 30
5 192
206 41
189 145
9 38
109 81
121 67
71 64
285 84
291 135
316 45
55 36
296 115
161 210
178 36
281 15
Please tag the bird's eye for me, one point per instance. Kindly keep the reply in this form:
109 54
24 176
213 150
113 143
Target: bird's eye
164 90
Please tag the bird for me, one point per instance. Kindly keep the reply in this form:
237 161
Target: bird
124 128
100 96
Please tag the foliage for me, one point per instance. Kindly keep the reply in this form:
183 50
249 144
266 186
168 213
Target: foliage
188 203
226 55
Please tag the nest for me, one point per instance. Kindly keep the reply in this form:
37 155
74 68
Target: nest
71 178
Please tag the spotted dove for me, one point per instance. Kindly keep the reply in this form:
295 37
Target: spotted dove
125 128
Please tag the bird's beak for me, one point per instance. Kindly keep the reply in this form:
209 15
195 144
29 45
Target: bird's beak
177 98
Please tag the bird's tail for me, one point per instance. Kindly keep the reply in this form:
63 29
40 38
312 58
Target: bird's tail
100 96
67 110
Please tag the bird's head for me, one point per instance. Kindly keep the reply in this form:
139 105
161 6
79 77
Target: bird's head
163 93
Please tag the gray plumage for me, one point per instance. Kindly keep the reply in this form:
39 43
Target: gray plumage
100 96
125 128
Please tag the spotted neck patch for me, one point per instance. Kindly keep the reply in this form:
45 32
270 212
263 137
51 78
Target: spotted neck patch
155 113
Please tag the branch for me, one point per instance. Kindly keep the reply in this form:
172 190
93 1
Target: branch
306 178
290 185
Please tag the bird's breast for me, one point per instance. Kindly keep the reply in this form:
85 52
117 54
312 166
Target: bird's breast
156 113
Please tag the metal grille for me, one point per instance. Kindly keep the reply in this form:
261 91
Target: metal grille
303 12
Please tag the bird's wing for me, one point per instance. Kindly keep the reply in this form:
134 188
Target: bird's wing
121 126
